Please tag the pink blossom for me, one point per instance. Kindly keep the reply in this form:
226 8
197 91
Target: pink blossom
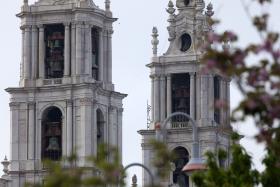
220 103
263 75
231 36
251 104
213 37
276 54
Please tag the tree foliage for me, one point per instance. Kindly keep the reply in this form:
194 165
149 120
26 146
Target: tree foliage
255 69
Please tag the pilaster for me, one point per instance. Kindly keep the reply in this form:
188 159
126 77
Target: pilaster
119 133
169 95
162 97
204 99
73 49
27 52
88 49
67 50
79 44
192 95
14 118
156 105
85 147
31 130
211 98
101 57
69 127
110 33
41 52
34 52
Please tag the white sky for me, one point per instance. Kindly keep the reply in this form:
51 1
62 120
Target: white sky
131 52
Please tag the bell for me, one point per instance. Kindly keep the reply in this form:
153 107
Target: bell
182 104
56 43
53 144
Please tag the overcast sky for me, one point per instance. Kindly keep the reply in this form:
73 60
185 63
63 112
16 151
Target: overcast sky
131 52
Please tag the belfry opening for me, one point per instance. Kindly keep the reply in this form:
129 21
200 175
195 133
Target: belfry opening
52 134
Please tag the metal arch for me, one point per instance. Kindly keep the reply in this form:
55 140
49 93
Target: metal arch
194 126
142 166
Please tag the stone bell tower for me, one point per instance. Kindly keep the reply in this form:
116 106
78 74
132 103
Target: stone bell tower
65 101
179 85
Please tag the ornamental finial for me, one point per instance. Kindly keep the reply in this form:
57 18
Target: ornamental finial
209 11
134 181
155 40
170 9
5 164
107 5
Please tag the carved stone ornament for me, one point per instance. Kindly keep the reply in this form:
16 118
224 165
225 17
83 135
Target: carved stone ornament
182 3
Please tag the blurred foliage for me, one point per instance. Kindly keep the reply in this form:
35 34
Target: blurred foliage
255 69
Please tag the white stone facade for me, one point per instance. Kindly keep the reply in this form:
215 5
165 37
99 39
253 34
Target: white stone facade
214 133
84 99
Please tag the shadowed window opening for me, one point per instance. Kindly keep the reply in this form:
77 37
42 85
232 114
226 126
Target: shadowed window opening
217 111
186 2
186 42
180 96
52 134
182 158
94 53
54 48
100 127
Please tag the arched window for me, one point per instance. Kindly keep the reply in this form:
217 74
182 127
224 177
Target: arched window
54 51
217 111
186 42
182 158
100 127
186 2
52 134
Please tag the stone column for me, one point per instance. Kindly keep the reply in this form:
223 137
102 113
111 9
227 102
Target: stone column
222 99
22 54
204 99
120 115
110 32
34 51
88 49
156 99
162 98
101 57
198 100
31 130
169 95
73 49
79 55
211 98
27 52
67 49
228 102
69 127
152 97
192 95
41 52
14 118
112 139
105 56
85 146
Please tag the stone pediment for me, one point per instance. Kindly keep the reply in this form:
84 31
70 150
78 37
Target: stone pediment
65 2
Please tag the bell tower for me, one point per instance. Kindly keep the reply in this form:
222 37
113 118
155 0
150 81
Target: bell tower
65 102
178 84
